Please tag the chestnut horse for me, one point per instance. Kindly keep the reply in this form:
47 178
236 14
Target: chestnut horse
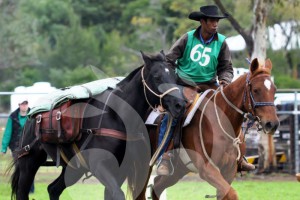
211 141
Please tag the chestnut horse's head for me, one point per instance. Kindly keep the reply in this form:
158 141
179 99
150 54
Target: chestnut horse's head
259 95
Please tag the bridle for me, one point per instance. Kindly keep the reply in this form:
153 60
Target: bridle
252 104
160 96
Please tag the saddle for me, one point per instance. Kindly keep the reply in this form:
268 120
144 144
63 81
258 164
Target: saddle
191 96
153 121
61 124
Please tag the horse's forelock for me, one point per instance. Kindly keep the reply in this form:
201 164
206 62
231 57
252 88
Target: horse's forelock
262 70
157 57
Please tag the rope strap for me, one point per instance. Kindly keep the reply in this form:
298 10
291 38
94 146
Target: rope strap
162 144
236 141
160 96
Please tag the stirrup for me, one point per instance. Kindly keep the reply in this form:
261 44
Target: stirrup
243 165
165 166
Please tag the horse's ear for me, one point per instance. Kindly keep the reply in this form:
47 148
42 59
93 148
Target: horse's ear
163 53
146 59
254 65
268 64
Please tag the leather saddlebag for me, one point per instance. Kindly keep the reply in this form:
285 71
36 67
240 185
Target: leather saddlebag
61 124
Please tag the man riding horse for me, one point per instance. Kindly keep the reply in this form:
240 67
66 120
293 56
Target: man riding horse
200 57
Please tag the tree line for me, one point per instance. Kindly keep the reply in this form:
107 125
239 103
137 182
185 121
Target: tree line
58 41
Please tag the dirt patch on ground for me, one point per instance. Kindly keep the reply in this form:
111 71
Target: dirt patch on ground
268 177
250 177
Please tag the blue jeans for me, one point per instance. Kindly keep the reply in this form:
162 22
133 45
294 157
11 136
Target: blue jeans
162 131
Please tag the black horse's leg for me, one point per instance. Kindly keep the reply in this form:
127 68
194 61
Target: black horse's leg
163 182
56 188
107 171
107 192
142 195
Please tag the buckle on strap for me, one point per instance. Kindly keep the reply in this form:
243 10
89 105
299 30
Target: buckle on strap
58 115
27 148
39 119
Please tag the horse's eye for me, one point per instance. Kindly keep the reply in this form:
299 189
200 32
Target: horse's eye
156 77
256 91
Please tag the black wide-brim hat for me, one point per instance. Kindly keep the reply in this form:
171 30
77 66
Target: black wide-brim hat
210 11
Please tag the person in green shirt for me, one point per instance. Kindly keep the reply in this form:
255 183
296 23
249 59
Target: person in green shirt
14 127
202 59
13 130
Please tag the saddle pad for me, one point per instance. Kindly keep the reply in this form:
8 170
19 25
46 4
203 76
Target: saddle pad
185 158
49 101
152 117
194 108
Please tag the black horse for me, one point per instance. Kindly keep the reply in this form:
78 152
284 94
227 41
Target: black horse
114 143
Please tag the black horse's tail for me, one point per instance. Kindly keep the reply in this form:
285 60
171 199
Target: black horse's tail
27 137
15 179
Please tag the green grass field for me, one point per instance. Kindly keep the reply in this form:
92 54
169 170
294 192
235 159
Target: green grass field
279 187
273 187
247 190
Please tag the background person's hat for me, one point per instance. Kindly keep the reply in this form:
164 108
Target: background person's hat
22 100
210 11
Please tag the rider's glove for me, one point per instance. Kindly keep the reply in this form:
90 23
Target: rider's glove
223 83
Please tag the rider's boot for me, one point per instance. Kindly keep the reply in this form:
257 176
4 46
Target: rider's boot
243 165
164 167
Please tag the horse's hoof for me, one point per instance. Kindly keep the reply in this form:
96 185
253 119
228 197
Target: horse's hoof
298 177
231 195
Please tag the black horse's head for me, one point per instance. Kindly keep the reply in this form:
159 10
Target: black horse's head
160 84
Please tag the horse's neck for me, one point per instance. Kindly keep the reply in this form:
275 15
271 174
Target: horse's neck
235 94
133 94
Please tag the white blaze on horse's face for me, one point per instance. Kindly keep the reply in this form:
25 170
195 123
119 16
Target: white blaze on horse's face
167 70
268 84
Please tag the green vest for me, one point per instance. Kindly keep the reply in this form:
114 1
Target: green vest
199 61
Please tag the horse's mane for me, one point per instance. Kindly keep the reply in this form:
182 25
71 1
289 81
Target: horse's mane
129 77
154 57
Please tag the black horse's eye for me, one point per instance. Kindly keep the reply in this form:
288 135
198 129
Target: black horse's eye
157 77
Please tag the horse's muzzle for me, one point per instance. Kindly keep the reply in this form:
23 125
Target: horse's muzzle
270 126
176 108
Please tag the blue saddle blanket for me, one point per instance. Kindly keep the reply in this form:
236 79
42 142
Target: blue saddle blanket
84 91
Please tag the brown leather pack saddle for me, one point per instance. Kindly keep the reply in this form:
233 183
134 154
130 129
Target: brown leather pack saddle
61 124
